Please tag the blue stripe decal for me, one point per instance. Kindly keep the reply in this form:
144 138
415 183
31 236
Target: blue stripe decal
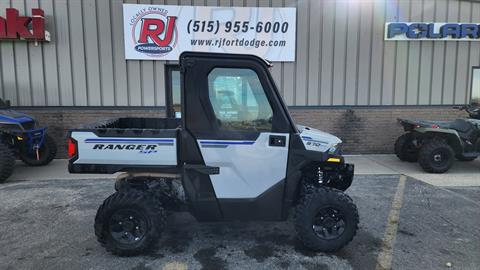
129 140
15 120
228 142
309 139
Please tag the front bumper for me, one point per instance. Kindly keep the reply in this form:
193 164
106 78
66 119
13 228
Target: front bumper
347 172
338 174
31 139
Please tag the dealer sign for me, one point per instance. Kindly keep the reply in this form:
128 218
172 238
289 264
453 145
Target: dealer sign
160 32
432 31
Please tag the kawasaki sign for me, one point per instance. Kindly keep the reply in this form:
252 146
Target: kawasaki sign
432 31
13 26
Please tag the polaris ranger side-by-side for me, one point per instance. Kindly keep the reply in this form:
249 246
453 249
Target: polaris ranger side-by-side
234 155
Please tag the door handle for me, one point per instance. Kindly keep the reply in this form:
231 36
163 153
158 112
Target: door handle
276 140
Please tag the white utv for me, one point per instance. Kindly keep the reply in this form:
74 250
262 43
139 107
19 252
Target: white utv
234 155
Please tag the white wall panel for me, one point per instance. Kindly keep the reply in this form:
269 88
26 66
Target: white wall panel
50 59
426 58
341 57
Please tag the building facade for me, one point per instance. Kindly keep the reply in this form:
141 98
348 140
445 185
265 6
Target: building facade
346 78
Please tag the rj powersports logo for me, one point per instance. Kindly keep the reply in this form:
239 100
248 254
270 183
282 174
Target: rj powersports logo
153 31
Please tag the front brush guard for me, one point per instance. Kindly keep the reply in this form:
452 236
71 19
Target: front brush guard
32 139
337 175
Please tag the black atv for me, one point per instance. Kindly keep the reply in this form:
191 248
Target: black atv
20 136
435 144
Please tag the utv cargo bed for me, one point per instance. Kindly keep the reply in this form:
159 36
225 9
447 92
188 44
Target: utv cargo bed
120 144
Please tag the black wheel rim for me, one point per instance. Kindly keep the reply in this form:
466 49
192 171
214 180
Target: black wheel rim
127 226
440 157
329 223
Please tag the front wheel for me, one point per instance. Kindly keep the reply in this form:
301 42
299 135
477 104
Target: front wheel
326 219
436 156
129 223
7 162
405 149
46 153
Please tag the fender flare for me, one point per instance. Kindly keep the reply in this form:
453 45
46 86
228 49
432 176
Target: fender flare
449 135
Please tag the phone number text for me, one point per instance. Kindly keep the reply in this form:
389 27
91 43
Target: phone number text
236 26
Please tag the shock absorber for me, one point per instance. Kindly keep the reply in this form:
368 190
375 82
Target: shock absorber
37 151
320 175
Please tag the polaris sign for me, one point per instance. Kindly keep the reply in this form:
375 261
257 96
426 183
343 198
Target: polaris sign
432 31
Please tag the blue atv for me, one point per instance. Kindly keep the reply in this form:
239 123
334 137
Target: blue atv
21 137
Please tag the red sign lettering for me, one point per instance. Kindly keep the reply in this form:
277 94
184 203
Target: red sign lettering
17 27
153 28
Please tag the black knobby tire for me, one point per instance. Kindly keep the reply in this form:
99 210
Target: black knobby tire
461 158
7 162
317 201
47 153
436 156
148 223
405 149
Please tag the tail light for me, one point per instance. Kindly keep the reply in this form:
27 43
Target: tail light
435 126
72 148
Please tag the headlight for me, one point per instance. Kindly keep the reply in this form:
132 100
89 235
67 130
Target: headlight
335 149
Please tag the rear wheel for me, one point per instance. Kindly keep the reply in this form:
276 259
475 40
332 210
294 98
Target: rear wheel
326 219
405 149
129 223
436 156
7 162
46 153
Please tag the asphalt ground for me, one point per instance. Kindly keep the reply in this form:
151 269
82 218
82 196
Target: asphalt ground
49 225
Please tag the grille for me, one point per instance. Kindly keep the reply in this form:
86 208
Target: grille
28 125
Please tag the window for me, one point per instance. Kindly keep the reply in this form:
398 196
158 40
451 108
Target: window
475 99
172 87
238 100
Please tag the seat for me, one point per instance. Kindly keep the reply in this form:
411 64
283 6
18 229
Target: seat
465 129
461 125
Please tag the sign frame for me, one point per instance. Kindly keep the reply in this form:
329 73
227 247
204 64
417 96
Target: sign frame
163 32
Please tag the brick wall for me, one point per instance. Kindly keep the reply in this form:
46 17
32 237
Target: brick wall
363 129
369 130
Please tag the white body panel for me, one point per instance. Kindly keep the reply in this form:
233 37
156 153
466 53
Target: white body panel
316 140
247 168
124 151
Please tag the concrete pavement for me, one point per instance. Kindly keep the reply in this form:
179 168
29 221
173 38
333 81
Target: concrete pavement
46 223
57 170
49 225
461 174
